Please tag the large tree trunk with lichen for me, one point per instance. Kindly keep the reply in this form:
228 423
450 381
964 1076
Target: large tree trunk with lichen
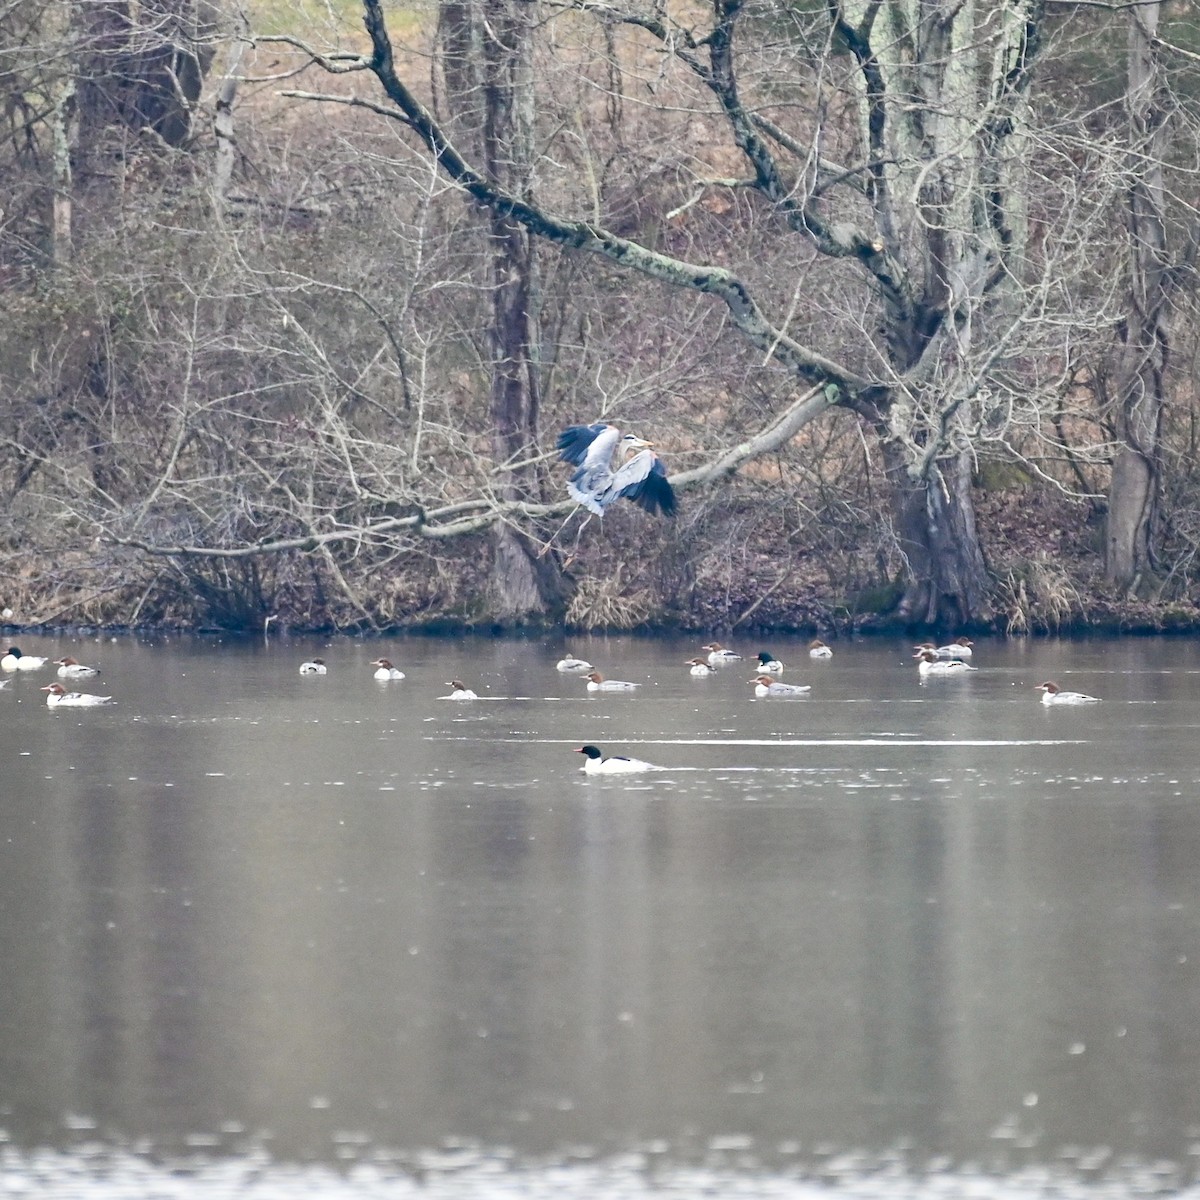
1134 488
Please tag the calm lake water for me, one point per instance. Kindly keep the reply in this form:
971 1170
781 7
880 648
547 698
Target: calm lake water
270 935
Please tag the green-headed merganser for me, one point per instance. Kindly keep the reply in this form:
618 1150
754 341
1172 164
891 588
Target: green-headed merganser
818 649
928 663
386 670
617 764
699 667
597 683
71 668
1053 694
718 656
767 688
573 666
460 691
769 664
59 697
596 485
14 660
314 666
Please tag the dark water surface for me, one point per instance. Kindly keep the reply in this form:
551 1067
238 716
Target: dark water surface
332 937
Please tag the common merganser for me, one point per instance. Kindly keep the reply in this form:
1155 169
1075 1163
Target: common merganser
460 691
818 649
14 660
314 666
699 667
772 689
573 666
616 764
769 664
718 656
596 485
597 683
59 696
71 668
929 664
959 648
386 670
1053 694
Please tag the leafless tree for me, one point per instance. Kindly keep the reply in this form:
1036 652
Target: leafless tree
889 139
1134 493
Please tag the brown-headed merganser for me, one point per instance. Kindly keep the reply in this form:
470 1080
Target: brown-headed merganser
771 689
59 697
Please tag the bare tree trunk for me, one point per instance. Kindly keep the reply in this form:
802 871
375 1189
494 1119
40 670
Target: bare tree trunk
946 578
487 47
1134 489
64 125
225 156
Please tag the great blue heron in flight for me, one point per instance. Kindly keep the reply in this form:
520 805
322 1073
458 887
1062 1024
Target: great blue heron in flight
596 483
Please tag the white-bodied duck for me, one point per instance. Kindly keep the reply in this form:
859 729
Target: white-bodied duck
573 666
460 691
818 649
14 660
766 688
385 670
1053 694
959 648
595 763
699 667
597 683
59 697
768 664
314 666
928 663
718 656
72 668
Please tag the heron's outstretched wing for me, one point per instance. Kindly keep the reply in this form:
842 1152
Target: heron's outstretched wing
643 479
575 443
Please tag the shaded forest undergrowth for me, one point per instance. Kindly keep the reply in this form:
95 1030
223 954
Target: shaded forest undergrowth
730 564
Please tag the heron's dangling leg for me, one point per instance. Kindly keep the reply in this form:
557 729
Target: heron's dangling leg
554 536
578 535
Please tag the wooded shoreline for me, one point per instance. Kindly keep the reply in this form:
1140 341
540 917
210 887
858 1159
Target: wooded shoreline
904 296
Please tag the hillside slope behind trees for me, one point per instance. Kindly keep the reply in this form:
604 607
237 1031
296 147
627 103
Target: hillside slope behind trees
904 293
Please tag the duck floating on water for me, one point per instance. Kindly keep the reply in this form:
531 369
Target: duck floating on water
769 664
595 763
699 667
718 656
1053 694
597 683
818 649
14 660
59 697
314 666
72 668
766 688
573 666
386 670
460 691
596 484
959 648
928 663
